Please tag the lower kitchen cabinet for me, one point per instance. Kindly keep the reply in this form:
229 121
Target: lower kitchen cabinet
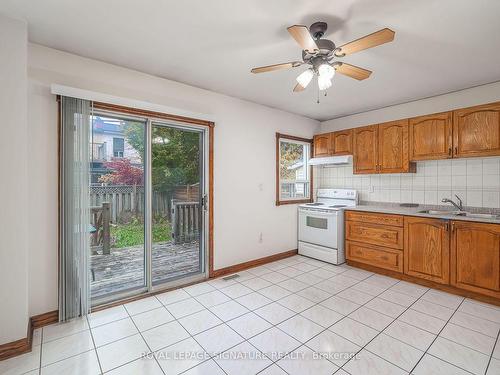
377 256
427 249
475 258
457 256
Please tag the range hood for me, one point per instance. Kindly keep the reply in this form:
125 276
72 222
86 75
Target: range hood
331 160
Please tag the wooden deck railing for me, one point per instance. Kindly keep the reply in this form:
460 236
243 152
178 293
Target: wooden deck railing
185 221
101 237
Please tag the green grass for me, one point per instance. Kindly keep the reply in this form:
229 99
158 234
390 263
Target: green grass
132 234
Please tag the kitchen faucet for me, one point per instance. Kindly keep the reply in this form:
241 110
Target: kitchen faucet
459 206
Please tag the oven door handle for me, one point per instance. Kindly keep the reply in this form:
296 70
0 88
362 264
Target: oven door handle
317 213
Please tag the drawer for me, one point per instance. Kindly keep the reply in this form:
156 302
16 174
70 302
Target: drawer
389 259
382 235
375 218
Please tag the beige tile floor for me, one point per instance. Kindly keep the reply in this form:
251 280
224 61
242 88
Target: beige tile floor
293 316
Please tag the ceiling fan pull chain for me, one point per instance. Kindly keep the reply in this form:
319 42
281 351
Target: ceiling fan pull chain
318 97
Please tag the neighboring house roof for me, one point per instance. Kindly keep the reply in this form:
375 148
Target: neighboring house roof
107 125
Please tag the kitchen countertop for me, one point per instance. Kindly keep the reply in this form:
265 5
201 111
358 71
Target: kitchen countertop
395 208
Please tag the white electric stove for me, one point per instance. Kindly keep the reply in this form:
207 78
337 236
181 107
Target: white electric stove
321 225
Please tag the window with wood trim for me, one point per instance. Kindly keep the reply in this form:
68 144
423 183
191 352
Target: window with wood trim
293 172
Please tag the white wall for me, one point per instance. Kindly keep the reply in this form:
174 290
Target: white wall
459 99
244 161
14 185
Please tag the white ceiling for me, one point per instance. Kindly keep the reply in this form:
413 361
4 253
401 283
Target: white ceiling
440 45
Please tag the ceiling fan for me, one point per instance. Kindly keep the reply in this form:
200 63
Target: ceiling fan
319 54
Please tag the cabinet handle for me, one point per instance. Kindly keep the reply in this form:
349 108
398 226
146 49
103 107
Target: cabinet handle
449 151
456 150
446 226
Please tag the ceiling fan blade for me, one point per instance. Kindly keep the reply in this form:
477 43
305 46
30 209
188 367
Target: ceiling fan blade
377 38
298 88
353 71
270 68
303 37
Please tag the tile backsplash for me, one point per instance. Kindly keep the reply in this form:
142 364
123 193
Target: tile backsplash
475 180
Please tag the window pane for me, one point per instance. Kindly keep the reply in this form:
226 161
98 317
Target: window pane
294 170
317 222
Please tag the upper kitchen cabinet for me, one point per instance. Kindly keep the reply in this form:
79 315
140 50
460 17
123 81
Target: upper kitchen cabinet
393 148
322 145
475 257
365 149
342 142
476 131
430 137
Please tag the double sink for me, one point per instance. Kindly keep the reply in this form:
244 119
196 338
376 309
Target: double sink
459 213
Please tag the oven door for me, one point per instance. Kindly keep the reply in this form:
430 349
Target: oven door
318 227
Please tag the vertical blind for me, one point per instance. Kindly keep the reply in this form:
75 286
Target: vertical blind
74 249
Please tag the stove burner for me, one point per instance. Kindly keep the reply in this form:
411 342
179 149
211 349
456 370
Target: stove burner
338 206
314 204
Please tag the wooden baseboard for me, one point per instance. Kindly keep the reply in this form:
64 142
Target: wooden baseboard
21 346
252 263
427 283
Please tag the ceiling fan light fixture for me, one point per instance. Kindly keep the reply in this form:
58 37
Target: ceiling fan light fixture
326 70
305 77
324 82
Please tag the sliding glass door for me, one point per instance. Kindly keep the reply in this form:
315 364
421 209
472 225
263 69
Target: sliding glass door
177 218
148 218
117 199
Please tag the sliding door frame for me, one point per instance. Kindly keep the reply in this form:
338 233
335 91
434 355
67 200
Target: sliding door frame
208 128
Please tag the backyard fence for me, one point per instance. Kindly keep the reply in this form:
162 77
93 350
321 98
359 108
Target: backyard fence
109 203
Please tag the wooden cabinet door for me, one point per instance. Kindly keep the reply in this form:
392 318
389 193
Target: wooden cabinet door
430 137
427 249
365 149
322 145
393 147
342 142
475 257
476 131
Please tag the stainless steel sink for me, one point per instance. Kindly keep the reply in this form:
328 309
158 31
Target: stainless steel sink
479 216
440 212
459 213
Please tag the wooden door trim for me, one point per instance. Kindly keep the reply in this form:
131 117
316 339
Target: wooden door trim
158 115
277 164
